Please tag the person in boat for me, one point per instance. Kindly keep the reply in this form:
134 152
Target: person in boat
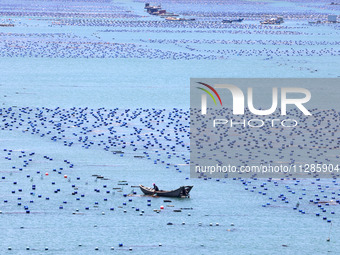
184 192
155 187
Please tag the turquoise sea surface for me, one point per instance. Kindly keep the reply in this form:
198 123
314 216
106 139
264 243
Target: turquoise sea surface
83 94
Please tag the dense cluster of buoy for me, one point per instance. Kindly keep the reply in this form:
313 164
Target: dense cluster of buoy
66 45
269 52
322 203
69 45
28 190
72 8
268 31
242 41
62 46
167 132
199 24
117 131
253 16
66 14
315 140
36 184
249 9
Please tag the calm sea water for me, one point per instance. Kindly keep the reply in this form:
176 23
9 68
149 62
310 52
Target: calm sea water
249 222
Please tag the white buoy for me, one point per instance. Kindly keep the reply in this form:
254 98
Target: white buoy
210 224
112 248
183 223
103 213
189 214
217 224
130 249
159 244
27 248
96 248
232 224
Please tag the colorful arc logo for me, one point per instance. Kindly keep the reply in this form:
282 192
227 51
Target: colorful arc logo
209 93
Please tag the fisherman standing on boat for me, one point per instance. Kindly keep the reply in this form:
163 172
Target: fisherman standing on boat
184 192
155 187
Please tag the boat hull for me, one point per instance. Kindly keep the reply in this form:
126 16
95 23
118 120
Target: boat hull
180 192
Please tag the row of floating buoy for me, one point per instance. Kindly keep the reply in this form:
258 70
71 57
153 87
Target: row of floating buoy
264 188
126 50
296 182
80 245
181 131
67 45
70 11
27 248
75 191
90 50
93 15
266 143
158 143
240 41
200 224
201 24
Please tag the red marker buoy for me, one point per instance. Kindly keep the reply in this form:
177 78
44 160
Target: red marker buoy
46 174
65 176
162 207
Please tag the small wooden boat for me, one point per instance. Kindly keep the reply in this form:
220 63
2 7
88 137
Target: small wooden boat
232 20
182 191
